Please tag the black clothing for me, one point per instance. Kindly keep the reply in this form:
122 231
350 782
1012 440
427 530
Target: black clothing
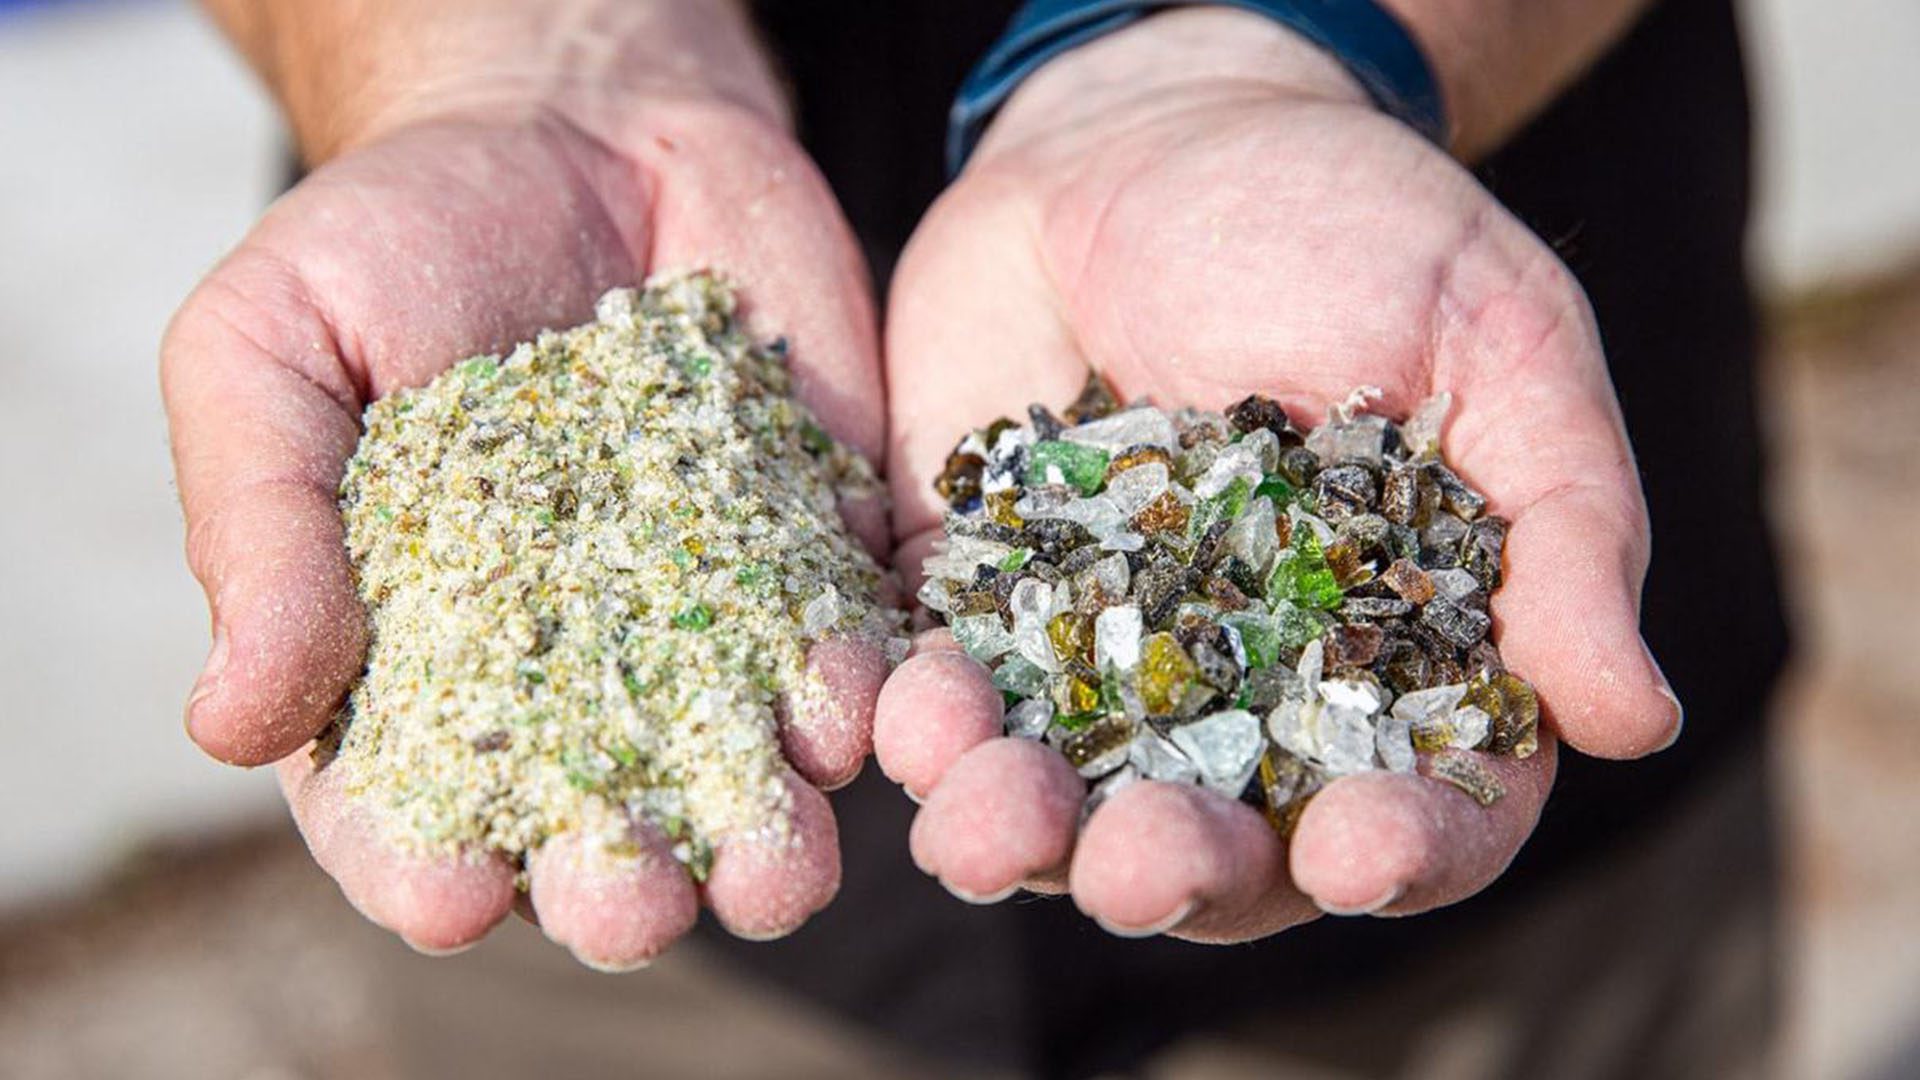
1639 178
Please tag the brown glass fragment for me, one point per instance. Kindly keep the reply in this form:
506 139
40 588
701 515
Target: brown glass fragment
1408 581
1343 491
1456 495
1256 411
1164 514
1366 533
1481 552
1404 666
1514 707
1400 495
1286 786
1410 494
1098 739
1464 770
493 741
959 482
1136 456
1225 593
1345 563
1299 465
1096 400
1462 627
1354 645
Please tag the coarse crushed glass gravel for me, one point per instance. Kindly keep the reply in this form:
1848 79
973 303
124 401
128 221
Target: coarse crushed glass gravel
1223 599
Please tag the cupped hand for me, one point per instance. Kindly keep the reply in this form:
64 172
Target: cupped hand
1202 207
447 236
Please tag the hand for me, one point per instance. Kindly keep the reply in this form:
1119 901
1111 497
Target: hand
1200 207
463 218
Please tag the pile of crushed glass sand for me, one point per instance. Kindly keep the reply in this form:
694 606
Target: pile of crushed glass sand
593 570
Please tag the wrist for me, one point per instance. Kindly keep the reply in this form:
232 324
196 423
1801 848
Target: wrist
1171 60
349 71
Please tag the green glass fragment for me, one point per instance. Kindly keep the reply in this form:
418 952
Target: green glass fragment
1077 721
693 617
1260 635
1015 560
1084 467
699 860
815 439
1225 506
1277 489
755 576
1299 626
1019 675
1301 574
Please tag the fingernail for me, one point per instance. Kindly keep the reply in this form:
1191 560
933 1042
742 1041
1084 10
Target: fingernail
1373 907
1180 914
981 899
612 967
774 933
438 953
1665 690
210 671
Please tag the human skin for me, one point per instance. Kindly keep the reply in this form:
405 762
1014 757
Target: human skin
1204 206
484 169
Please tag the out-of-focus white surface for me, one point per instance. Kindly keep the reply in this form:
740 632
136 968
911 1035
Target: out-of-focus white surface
1838 96
133 150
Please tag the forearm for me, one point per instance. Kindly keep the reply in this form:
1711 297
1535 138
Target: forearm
1498 61
345 71
1501 61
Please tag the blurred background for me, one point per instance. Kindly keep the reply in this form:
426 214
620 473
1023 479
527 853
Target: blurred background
157 915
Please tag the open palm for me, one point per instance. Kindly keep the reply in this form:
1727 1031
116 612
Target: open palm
1195 245
447 238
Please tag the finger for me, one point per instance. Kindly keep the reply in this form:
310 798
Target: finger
258 444
1005 812
937 639
866 516
778 233
827 734
1397 844
436 904
377 272
1158 858
935 707
1568 619
1539 430
613 911
913 553
958 354
764 885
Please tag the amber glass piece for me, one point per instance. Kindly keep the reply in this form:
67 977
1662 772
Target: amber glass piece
1164 514
1166 671
1071 635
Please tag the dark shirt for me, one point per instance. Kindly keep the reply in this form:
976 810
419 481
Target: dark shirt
1639 178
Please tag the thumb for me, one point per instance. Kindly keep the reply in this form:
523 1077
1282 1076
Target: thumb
263 417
